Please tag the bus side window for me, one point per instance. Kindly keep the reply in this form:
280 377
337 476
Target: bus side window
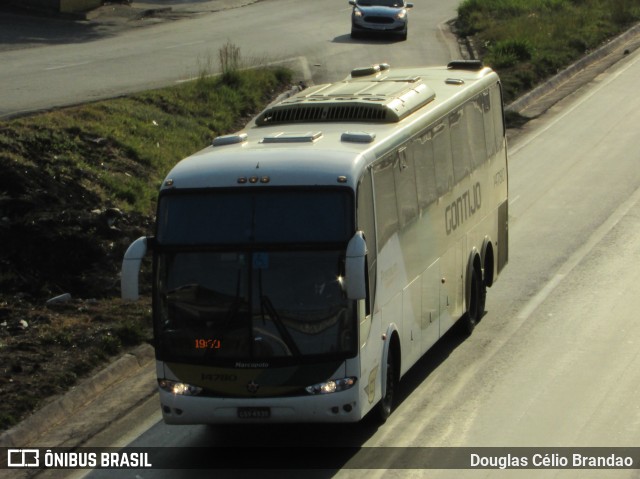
475 130
385 200
498 116
460 147
422 153
442 157
489 126
405 181
366 224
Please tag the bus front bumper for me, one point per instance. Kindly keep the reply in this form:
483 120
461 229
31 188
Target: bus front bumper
336 407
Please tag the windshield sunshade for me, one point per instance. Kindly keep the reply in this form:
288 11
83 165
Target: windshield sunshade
223 217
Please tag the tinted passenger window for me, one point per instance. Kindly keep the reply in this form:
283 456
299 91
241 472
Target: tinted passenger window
385 194
489 126
496 102
460 147
442 157
475 130
422 155
405 180
366 221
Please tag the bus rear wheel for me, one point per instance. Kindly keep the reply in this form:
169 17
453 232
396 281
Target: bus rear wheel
477 299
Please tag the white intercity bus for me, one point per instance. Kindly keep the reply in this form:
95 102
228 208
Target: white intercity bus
303 265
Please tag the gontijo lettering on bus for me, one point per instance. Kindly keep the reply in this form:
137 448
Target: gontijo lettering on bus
462 208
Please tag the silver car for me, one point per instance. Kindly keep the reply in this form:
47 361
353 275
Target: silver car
379 16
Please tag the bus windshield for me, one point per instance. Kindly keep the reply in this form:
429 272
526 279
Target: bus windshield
263 283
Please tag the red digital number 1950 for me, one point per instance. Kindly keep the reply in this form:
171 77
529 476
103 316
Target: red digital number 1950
208 344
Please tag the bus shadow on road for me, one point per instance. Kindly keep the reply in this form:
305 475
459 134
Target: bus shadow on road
433 358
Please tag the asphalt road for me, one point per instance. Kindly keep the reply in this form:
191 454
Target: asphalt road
94 60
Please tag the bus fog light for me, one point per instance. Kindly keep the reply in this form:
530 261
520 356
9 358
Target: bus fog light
178 388
333 386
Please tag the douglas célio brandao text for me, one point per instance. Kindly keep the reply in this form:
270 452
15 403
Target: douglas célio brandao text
550 461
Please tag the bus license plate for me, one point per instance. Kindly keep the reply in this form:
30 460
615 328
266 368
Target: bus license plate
254 412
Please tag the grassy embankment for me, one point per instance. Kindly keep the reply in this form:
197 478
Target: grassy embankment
527 41
119 150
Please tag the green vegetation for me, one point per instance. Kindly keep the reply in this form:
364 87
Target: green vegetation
527 41
85 179
119 150
60 344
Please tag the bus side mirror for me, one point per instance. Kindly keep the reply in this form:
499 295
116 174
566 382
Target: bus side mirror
355 267
131 269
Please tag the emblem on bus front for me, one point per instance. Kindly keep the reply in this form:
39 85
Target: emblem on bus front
253 387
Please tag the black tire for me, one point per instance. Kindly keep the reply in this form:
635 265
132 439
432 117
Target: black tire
477 299
386 404
482 299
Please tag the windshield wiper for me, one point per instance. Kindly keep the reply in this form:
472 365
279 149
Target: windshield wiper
282 329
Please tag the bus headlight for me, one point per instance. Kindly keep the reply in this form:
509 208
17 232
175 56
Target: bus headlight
178 388
333 386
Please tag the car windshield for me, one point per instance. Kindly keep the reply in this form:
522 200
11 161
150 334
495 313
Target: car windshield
381 3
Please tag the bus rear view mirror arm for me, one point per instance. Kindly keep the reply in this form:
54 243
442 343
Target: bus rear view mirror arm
131 269
355 267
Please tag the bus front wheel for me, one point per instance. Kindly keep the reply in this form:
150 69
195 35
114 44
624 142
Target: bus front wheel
385 406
